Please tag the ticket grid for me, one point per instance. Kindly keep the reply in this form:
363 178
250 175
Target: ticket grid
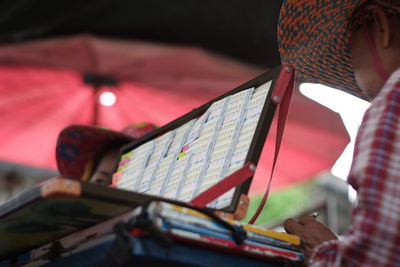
162 145
244 141
133 169
190 159
218 156
175 149
199 149
245 137
217 113
175 181
180 137
197 128
240 109
145 179
160 175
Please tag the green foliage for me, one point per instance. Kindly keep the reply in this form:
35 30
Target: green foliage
282 204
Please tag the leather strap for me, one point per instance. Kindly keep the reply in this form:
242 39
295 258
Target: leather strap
282 98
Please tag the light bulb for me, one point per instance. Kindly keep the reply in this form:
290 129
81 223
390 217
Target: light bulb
107 99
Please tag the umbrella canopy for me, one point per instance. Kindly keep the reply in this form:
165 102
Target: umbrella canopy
243 29
42 90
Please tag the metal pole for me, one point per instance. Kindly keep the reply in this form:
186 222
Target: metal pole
96 106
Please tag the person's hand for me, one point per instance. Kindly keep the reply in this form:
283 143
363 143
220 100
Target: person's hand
243 206
311 231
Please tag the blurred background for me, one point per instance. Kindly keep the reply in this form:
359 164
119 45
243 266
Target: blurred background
113 63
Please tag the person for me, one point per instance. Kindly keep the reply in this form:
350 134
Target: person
89 153
354 45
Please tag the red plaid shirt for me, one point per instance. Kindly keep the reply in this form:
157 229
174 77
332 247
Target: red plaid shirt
374 236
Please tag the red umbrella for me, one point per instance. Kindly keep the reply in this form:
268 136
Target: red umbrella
42 90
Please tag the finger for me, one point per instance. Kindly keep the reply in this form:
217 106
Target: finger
306 219
224 214
244 201
308 252
310 241
293 227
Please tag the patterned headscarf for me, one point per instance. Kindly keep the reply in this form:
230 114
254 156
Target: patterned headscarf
78 146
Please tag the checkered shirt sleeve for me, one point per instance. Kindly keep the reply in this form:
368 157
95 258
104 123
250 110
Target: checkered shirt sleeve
374 236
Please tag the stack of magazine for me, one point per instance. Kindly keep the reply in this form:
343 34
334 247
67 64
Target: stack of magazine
194 227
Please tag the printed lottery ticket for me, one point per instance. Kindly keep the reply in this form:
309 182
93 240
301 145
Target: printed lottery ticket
175 181
157 182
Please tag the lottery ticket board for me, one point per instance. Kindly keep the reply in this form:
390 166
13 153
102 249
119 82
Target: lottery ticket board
188 156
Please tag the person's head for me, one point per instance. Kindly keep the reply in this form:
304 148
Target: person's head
104 163
375 47
324 39
89 153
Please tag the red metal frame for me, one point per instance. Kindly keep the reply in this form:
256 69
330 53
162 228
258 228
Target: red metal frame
224 185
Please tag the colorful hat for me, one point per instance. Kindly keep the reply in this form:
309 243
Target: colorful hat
314 36
78 146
